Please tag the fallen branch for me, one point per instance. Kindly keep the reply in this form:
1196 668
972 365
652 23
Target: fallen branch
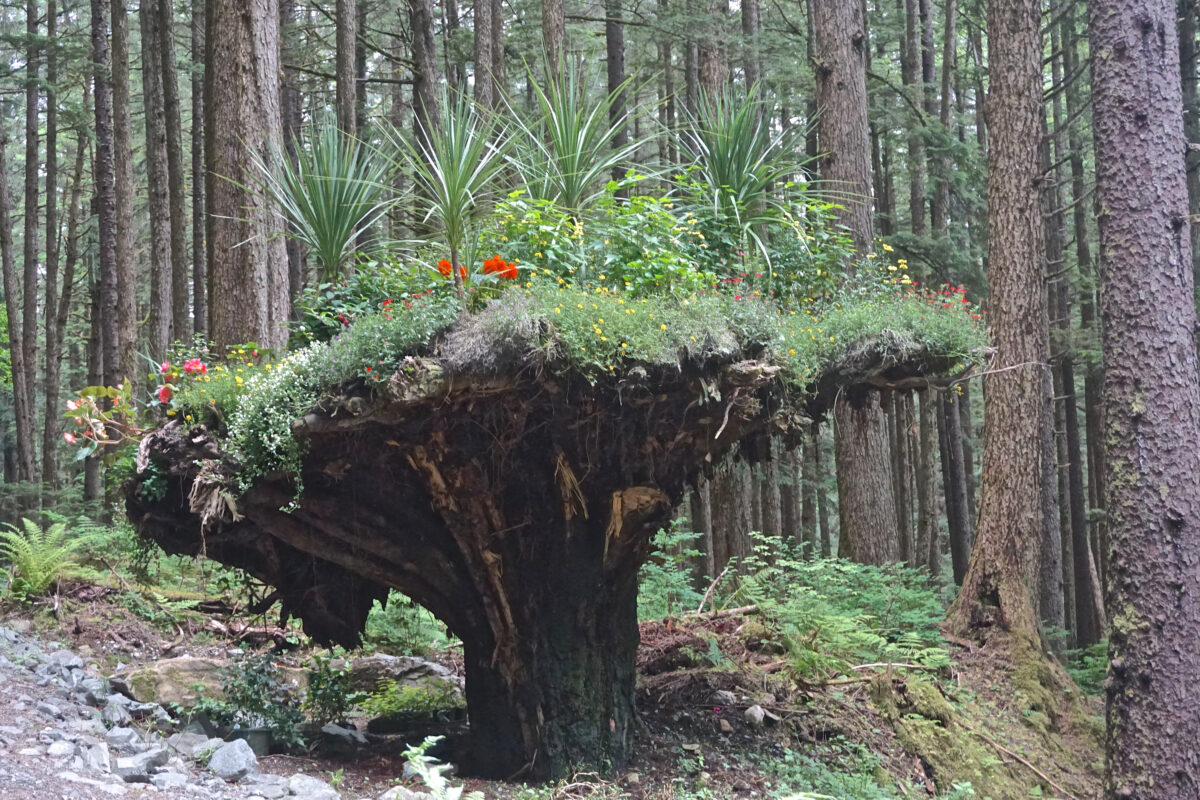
722 613
890 665
1011 754
711 588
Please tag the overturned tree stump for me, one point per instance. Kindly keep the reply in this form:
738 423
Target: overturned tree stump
517 509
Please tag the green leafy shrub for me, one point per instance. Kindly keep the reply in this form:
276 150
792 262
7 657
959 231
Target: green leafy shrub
329 695
832 613
665 581
1088 667
40 556
392 700
402 627
257 695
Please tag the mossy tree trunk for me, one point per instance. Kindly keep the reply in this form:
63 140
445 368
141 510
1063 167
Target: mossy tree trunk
1152 403
996 590
518 512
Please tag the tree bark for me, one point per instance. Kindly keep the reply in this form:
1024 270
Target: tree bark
822 499
939 209
1004 560
346 96
485 86
199 265
176 185
426 78
926 550
866 507
52 424
22 400
1152 402
900 471
247 258
910 71
162 277
292 114
125 316
554 36
614 48
1191 118
806 485
29 282
105 313
713 53
840 40
770 496
752 59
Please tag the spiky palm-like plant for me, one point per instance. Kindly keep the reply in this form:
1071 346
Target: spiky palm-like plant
333 192
455 167
568 154
743 165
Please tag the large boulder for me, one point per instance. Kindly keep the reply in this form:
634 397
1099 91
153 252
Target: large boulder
181 681
369 674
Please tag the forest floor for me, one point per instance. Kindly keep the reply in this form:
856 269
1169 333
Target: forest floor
723 715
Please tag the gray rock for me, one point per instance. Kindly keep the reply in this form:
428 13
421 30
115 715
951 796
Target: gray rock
190 743
123 738
139 768
400 793
344 740
49 710
97 758
233 761
755 715
169 780
116 714
269 787
61 749
307 787
108 788
94 690
723 697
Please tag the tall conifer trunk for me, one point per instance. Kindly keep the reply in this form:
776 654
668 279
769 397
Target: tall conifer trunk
1152 400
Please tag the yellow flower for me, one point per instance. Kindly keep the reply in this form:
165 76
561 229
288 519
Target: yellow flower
602 277
887 248
792 351
662 327
557 310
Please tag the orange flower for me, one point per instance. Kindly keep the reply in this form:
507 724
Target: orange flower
444 267
509 271
462 273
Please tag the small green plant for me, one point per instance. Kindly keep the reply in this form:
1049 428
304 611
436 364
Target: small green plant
39 556
256 695
402 627
665 583
1088 666
832 614
433 773
392 700
329 696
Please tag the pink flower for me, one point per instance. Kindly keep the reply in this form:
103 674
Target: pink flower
72 405
164 394
195 367
69 438
165 366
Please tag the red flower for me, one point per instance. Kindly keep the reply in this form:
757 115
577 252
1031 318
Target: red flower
69 438
445 268
164 394
195 366
462 273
